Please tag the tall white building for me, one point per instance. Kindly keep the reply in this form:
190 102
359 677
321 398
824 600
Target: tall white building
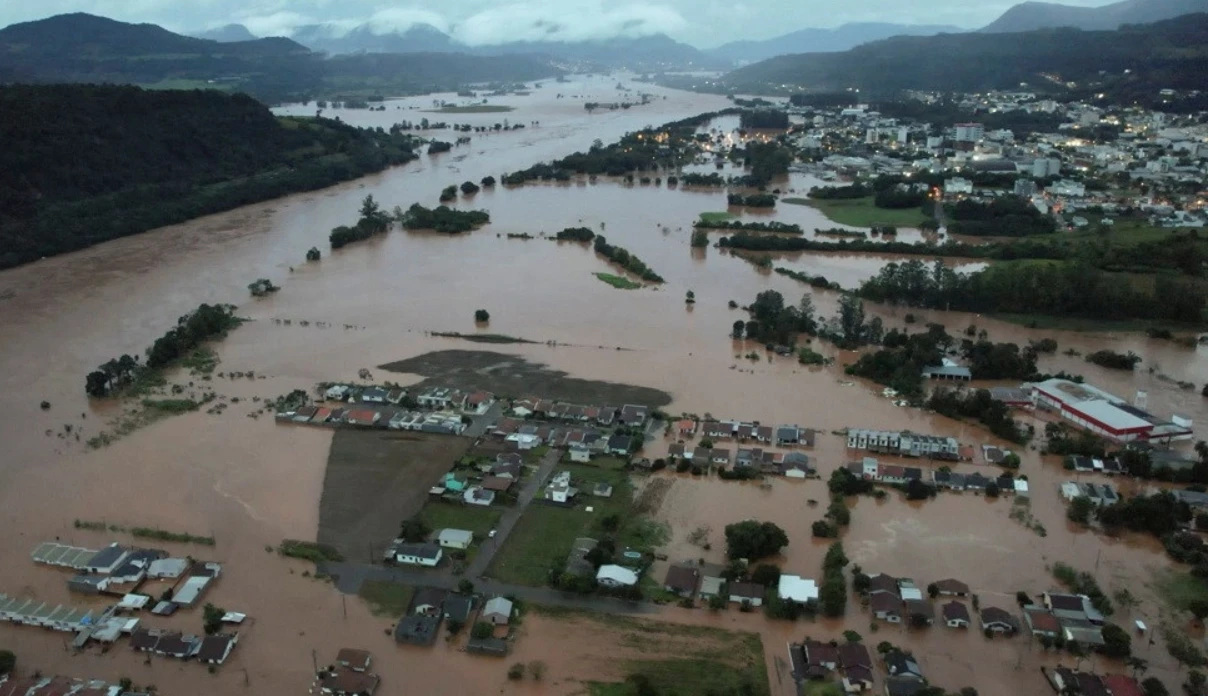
1046 166
970 132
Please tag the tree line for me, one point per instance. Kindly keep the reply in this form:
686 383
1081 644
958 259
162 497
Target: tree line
626 260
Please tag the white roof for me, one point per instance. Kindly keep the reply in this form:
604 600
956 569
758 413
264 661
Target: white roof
1111 415
1071 392
234 617
168 567
617 574
455 536
910 593
797 588
1021 486
498 605
134 601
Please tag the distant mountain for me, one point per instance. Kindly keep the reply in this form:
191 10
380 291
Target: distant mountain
86 48
420 38
840 38
641 53
1030 16
227 34
1172 53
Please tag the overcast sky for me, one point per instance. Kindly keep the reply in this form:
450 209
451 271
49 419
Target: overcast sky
703 23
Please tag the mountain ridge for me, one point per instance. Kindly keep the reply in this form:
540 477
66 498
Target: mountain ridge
811 40
1033 15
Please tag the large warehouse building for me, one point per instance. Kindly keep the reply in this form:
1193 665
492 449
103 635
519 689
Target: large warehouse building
1106 415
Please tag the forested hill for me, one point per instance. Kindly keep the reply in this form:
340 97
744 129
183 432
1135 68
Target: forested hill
82 164
1173 53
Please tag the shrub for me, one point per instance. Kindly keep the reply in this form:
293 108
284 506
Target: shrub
482 316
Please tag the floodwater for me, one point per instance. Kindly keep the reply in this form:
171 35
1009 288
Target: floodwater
251 483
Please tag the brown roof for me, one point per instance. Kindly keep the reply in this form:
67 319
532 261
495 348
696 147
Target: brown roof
682 578
885 602
883 583
950 586
1044 621
854 655
859 673
174 644
676 450
143 639
818 653
996 615
747 590
496 483
1122 685
921 607
354 659
955 610
346 681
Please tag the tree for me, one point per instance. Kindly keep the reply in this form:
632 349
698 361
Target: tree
469 188
717 602
536 670
212 616
482 316
824 530
1198 609
735 332
313 254
455 626
8 661
766 574
414 530
1116 641
1011 461
1125 598
642 685
933 590
488 181
1080 510
1154 687
482 629
464 586
1195 682
992 490
852 637
700 239
690 297
753 540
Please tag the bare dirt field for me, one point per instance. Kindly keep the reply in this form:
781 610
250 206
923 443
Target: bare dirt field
375 480
511 375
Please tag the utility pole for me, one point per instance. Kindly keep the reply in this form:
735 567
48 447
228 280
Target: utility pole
314 660
344 604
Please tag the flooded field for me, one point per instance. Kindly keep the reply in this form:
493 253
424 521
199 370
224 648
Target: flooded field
251 483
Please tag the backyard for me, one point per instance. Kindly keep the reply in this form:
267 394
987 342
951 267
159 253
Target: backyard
543 536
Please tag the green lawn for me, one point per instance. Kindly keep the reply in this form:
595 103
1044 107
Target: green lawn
545 533
617 281
386 598
472 109
822 688
716 217
476 518
860 212
680 660
1180 589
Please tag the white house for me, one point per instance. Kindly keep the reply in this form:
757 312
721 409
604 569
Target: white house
455 538
337 393
523 442
477 495
616 576
559 489
427 555
579 453
498 611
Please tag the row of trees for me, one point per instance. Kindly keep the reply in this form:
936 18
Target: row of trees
1007 216
754 200
205 323
373 221
441 219
626 260
774 226
979 405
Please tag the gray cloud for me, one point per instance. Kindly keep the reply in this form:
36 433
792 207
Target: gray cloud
702 23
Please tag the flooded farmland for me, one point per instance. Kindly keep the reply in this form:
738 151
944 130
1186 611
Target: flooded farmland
251 483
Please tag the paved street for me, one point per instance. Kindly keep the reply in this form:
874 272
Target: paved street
532 487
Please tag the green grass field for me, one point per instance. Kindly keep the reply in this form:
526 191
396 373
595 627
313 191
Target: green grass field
472 109
680 660
475 518
717 217
545 533
860 212
1179 589
617 281
386 598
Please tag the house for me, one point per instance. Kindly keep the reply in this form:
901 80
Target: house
920 611
507 466
619 444
106 560
559 489
748 593
821 655
714 430
699 456
744 431
795 465
949 587
215 649
903 686
177 645
711 586
686 427
1076 607
907 590
167 568
417 629
1082 632
201 575
455 538
1041 621
632 415
497 484
498 611
522 441
579 453
479 401
427 555
794 588
719 456
1122 685
855 656
478 495
144 640
886 606
373 395
682 580
883 583
857 679
788 435
429 601
902 664
347 682
355 660
955 614
616 576
997 620
458 607
764 433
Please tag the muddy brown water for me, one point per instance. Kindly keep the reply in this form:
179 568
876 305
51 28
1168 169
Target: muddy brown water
251 483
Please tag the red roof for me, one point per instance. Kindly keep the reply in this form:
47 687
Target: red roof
1122 685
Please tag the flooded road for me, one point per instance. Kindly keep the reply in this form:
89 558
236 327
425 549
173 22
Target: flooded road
250 483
